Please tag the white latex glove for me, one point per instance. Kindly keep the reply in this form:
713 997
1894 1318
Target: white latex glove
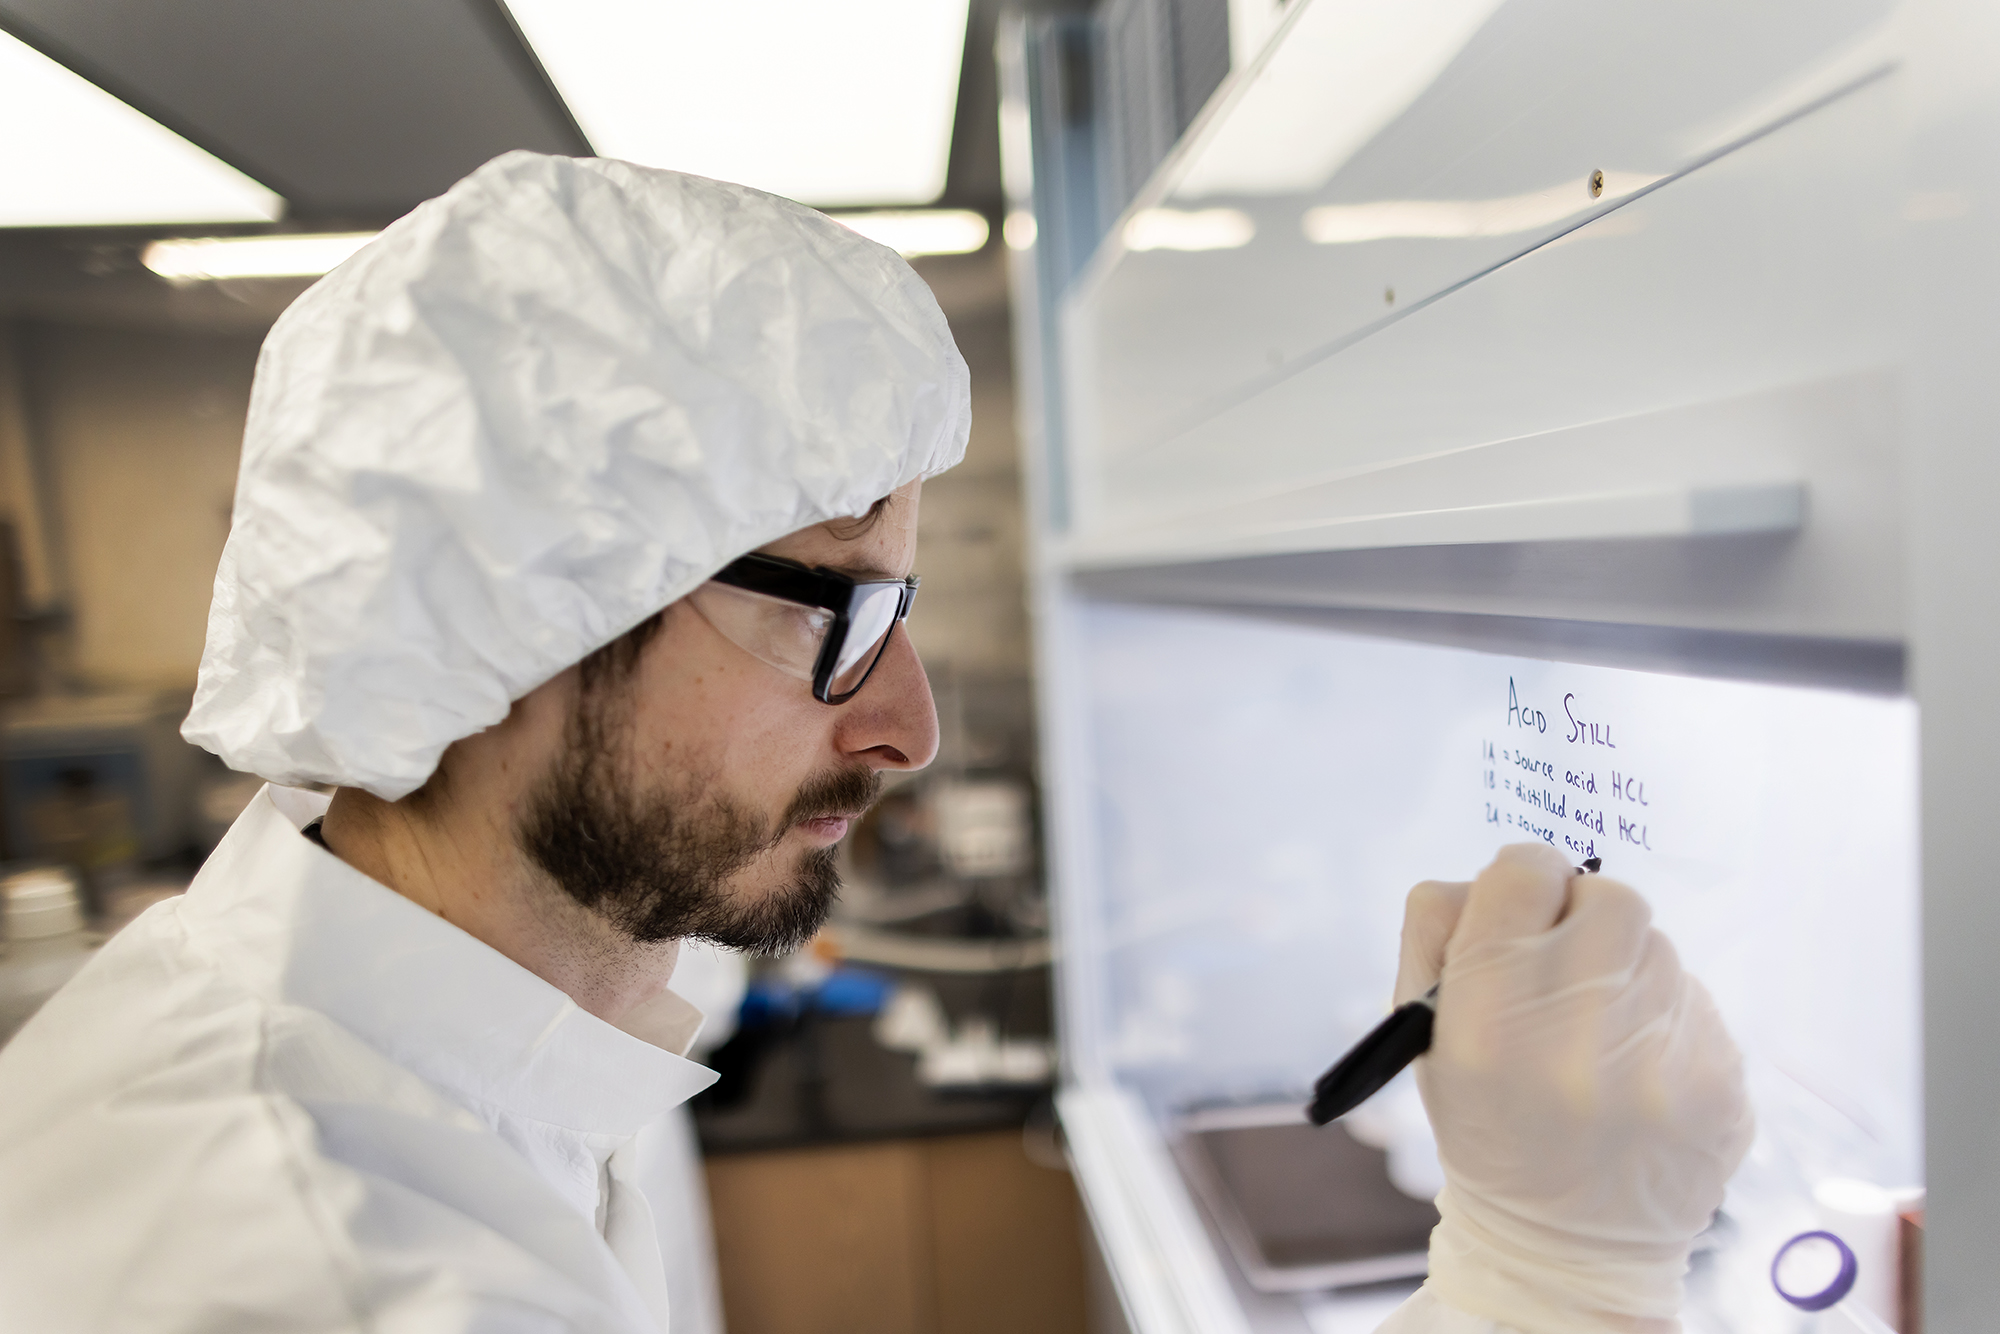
1587 1101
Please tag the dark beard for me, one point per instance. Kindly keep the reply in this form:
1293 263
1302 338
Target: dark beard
657 867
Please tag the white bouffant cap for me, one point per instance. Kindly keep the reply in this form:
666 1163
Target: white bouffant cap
526 417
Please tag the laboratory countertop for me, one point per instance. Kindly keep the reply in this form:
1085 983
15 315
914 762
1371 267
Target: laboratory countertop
824 1079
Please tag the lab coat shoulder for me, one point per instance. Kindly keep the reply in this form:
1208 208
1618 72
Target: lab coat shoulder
183 1153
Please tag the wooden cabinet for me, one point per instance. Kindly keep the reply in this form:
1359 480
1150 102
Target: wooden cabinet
954 1235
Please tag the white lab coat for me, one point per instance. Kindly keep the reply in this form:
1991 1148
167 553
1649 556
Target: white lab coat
293 1100
713 979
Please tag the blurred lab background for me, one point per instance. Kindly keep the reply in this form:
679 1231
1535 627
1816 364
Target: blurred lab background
879 1152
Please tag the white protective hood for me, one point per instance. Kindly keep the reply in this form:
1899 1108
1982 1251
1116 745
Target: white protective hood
530 414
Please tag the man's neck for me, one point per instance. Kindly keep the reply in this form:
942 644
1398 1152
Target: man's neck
463 863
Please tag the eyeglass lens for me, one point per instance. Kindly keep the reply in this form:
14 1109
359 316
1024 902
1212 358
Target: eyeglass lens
783 634
869 623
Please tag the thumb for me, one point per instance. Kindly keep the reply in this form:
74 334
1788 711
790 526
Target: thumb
1430 915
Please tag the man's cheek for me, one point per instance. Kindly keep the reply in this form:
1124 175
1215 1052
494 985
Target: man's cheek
771 758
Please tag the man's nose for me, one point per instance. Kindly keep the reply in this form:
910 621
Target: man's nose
892 723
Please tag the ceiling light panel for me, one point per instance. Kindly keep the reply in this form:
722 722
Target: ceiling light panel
72 155
924 231
830 104
204 259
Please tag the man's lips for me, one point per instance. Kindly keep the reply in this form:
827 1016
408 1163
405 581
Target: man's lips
827 828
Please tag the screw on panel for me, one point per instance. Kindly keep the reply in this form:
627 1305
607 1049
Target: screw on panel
1596 184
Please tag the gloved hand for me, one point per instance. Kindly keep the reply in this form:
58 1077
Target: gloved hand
1587 1101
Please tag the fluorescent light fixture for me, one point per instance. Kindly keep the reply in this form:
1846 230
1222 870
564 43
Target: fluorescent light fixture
75 156
920 231
292 256
1179 229
831 104
1456 219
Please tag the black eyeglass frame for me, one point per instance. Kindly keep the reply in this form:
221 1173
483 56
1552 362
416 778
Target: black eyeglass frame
828 590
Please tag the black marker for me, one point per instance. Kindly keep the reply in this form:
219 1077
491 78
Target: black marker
1382 1055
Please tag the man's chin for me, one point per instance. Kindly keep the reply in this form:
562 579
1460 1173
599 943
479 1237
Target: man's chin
780 919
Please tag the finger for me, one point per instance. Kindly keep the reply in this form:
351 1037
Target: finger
1607 927
1635 997
1522 893
1430 915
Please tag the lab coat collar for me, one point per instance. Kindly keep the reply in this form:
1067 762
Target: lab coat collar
302 927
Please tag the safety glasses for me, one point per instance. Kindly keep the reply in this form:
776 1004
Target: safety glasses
809 623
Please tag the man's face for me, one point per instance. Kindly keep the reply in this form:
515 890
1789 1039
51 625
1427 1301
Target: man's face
703 793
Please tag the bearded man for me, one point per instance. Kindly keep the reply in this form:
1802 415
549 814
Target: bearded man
571 548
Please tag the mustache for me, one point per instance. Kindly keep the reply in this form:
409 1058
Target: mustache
841 792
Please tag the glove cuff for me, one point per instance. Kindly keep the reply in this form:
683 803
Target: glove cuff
1526 1276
